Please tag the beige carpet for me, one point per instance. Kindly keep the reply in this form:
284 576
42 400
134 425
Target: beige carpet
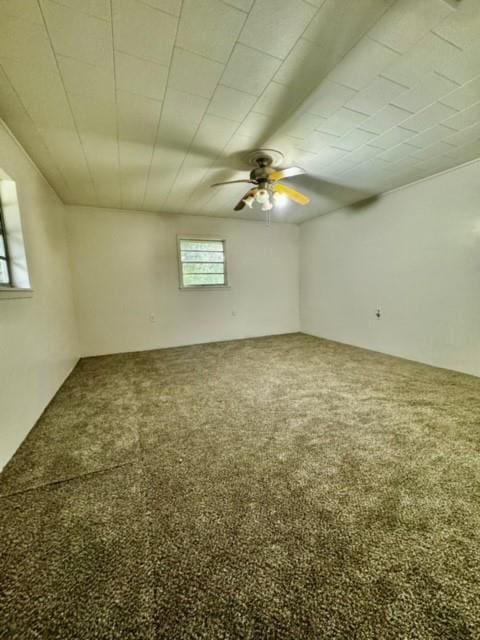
275 488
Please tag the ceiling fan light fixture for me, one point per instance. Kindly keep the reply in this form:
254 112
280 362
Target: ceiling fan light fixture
267 206
262 196
249 200
279 199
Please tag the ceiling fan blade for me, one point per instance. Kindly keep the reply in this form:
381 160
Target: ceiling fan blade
241 203
296 196
219 184
286 173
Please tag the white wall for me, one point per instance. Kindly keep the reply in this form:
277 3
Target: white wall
38 340
125 270
415 254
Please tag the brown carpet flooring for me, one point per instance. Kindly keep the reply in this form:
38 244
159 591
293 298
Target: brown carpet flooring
275 488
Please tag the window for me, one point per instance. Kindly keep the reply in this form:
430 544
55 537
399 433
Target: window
202 262
5 278
14 278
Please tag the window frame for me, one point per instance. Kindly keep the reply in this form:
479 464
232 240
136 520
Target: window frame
3 233
20 283
201 287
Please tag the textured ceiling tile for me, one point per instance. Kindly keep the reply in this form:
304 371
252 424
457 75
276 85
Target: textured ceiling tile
354 139
459 138
193 74
438 149
363 64
342 165
65 144
305 62
277 98
426 118
249 70
214 131
144 77
255 125
429 136
106 177
87 79
244 5
180 119
289 146
138 118
462 27
24 9
97 8
96 123
327 155
393 136
209 28
386 118
398 152
464 118
43 95
26 41
230 103
376 95
442 163
98 118
169 6
339 25
462 66
78 35
364 153
164 169
316 3
27 133
465 96
302 125
143 31
274 26
134 162
342 121
407 21
328 98
470 151
430 54
431 88
317 141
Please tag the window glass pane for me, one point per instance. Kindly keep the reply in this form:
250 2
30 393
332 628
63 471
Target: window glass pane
4 279
203 267
199 256
2 247
201 245
204 278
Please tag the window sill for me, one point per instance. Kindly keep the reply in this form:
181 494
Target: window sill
8 293
205 287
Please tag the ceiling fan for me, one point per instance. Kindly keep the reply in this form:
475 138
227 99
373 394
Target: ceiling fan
267 190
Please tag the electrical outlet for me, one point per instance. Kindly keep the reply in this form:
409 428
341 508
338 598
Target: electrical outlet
153 318
378 313
234 313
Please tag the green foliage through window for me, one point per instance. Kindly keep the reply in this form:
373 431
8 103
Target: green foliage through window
202 263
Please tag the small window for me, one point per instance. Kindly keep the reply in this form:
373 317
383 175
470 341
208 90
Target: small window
202 263
5 278
14 278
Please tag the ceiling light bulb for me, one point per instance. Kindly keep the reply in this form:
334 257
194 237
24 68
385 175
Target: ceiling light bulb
262 196
249 200
279 198
267 206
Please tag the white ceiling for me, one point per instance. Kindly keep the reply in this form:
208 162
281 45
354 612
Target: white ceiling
142 104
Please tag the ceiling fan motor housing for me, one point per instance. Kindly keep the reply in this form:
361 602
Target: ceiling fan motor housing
263 168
